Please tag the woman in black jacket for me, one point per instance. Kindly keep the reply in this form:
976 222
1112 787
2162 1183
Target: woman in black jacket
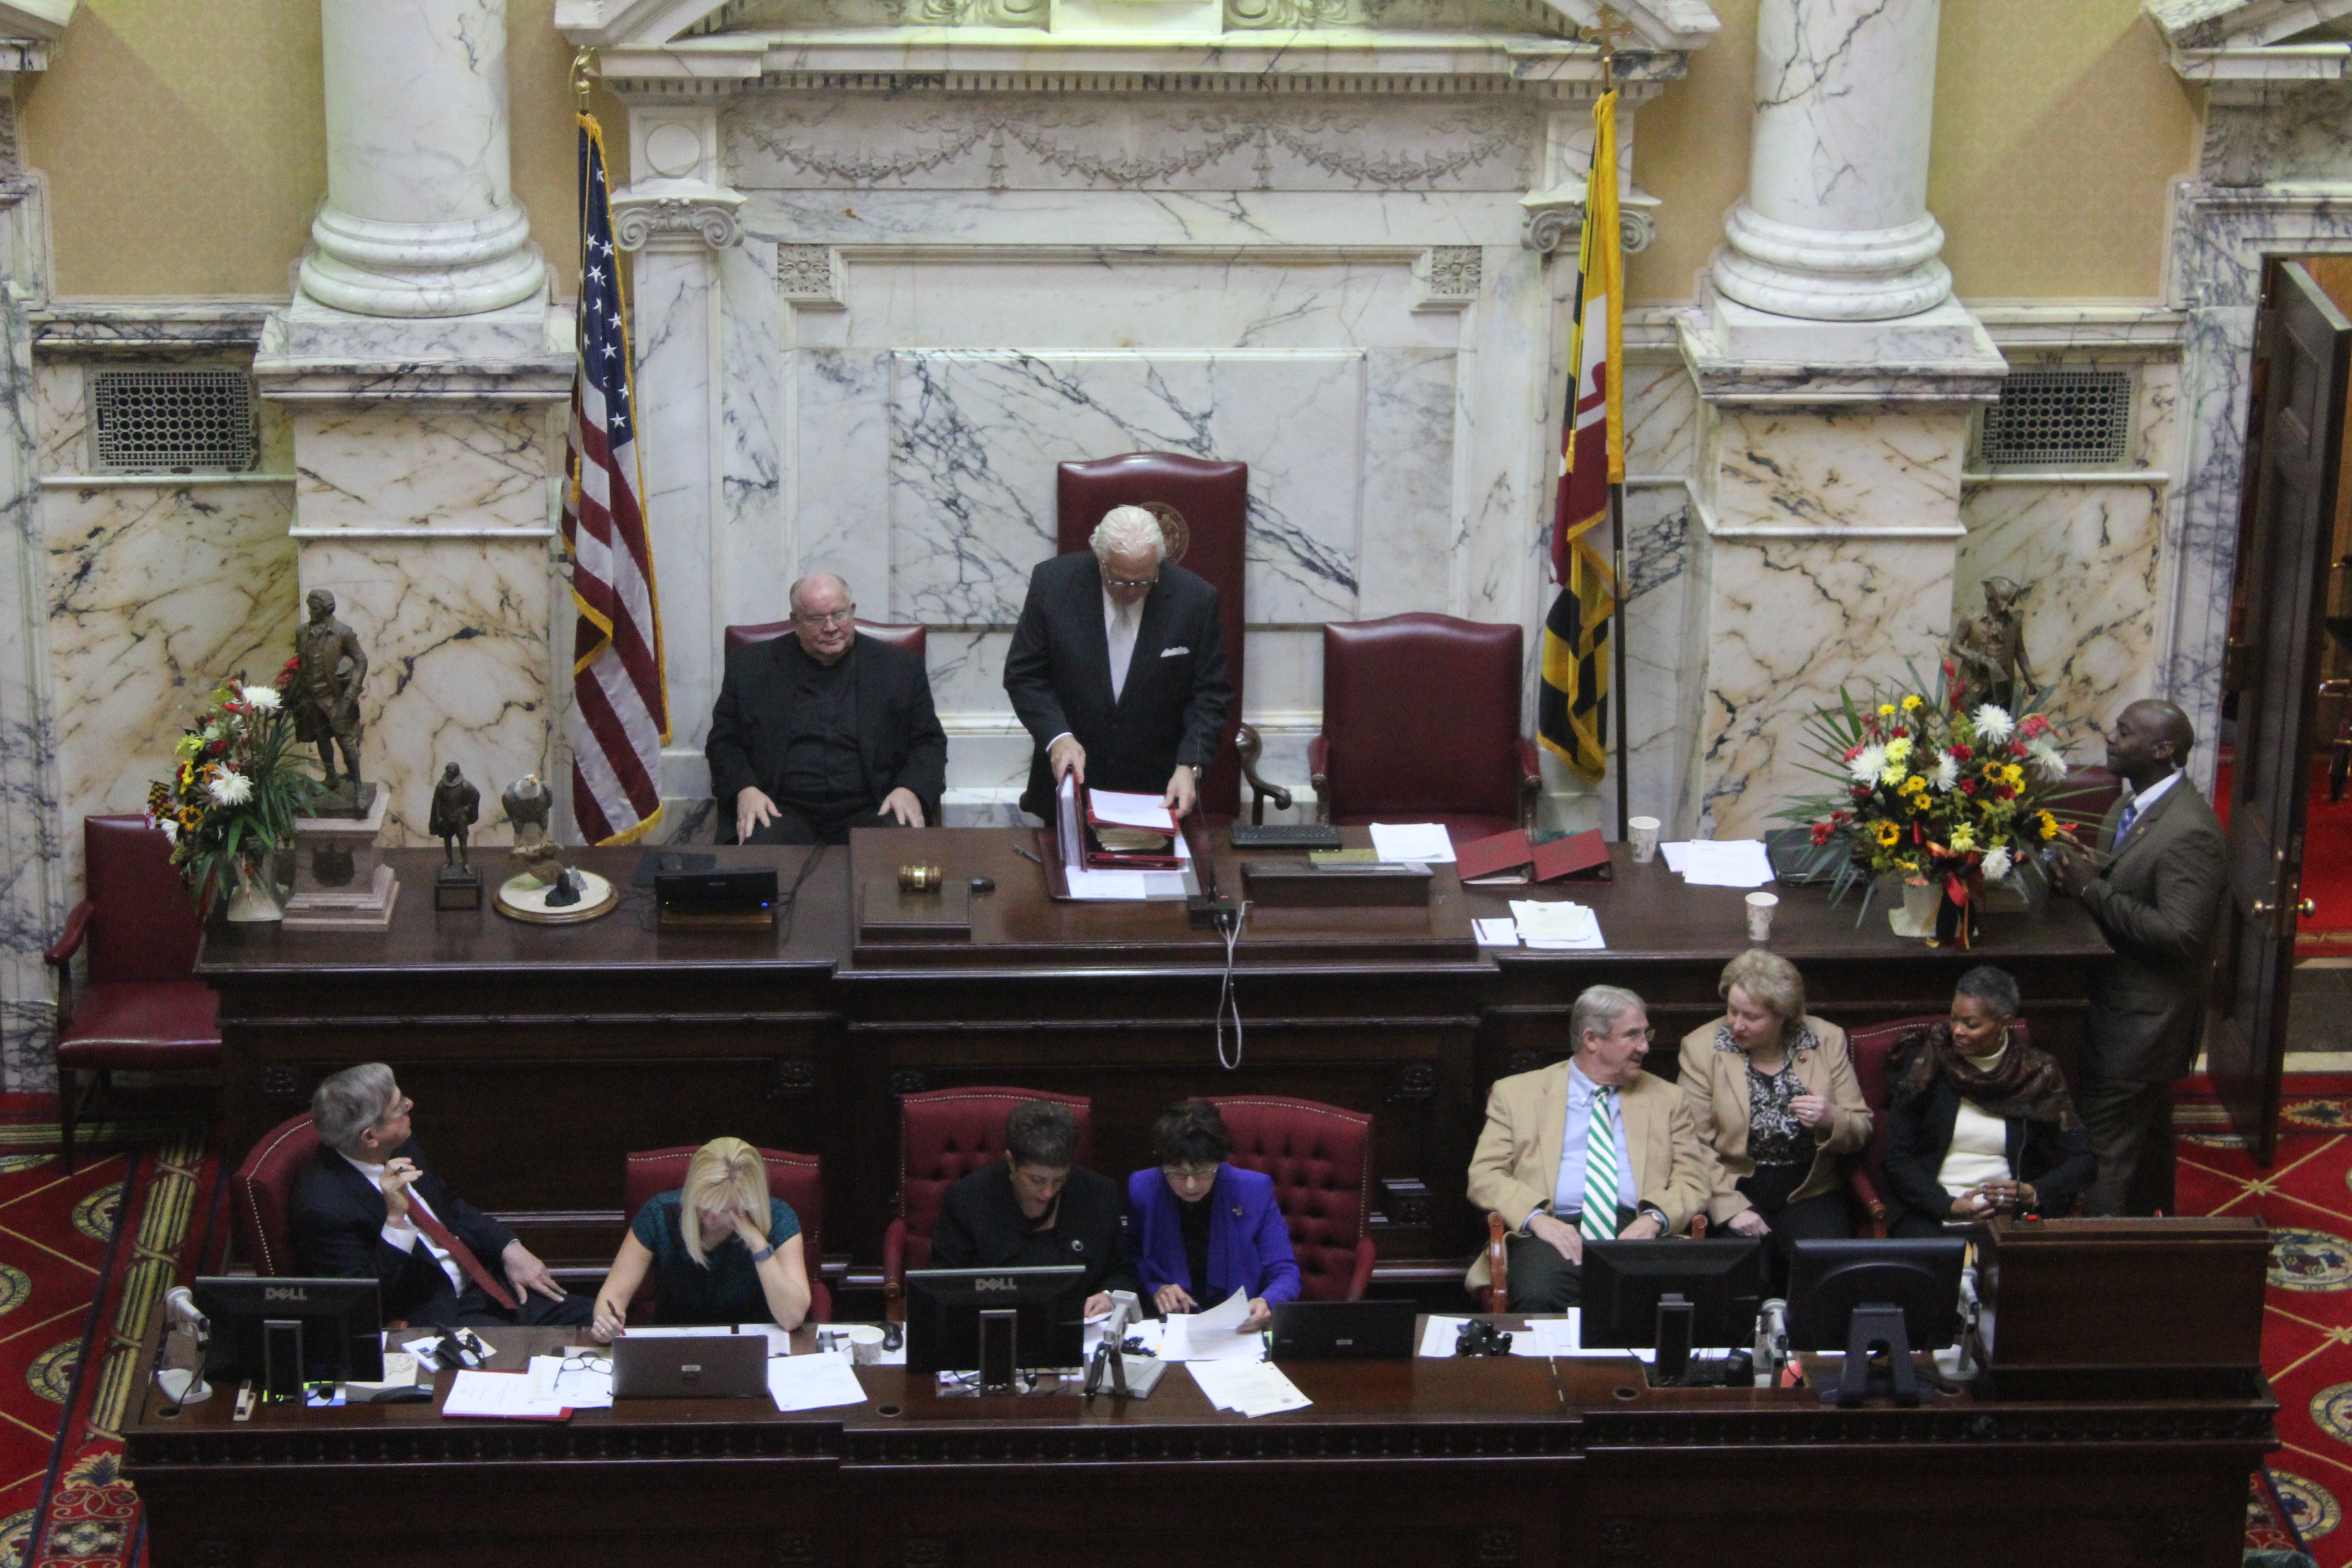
1979 1124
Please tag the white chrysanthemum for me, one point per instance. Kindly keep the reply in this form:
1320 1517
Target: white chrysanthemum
1993 723
1866 763
260 699
230 788
1898 749
1947 776
2048 758
171 829
1996 865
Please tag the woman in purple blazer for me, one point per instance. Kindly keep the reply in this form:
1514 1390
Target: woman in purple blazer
1200 1229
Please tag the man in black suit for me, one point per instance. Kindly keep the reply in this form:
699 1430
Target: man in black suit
367 1204
824 731
1118 669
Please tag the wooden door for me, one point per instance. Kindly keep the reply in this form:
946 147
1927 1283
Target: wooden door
2303 347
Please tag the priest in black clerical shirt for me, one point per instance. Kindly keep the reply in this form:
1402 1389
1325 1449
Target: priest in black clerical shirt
823 731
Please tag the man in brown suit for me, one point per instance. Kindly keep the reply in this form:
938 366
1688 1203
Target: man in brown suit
2154 890
1543 1149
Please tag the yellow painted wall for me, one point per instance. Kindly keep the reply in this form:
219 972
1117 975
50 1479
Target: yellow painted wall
2058 128
185 143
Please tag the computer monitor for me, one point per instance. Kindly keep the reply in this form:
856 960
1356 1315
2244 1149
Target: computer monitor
1868 1297
996 1323
1668 1296
290 1331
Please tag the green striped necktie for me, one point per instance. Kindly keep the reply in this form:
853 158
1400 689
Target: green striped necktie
1599 1219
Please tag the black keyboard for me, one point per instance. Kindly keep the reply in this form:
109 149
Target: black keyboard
1286 836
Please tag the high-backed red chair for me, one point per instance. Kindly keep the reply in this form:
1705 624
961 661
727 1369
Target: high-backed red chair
1208 535
1867 1175
944 1135
915 639
1421 723
261 1195
1320 1159
143 1010
798 1179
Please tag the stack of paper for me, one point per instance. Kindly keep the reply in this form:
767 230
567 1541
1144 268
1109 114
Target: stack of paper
1213 1335
1112 886
1427 842
813 1381
577 1385
1556 925
1719 862
1252 1387
503 1394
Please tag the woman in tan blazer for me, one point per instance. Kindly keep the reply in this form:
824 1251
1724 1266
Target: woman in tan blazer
1771 1092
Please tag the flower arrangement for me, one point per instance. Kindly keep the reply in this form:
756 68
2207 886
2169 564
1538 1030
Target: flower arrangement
1933 789
238 786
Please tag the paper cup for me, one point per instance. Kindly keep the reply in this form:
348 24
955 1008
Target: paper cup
1644 833
1760 915
865 1343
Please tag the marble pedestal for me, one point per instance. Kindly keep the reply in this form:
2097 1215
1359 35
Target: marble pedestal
1828 494
337 883
426 452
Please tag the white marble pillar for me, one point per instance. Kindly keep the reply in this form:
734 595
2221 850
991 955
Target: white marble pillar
1835 223
420 218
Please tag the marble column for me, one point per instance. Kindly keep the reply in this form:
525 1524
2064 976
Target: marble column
1838 378
420 217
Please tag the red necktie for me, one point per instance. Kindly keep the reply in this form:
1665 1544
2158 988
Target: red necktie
442 1237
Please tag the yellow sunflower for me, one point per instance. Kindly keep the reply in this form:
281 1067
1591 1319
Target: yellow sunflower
1888 834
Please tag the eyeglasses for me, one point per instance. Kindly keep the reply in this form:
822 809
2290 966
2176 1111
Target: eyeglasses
1151 582
1188 1172
583 1366
829 618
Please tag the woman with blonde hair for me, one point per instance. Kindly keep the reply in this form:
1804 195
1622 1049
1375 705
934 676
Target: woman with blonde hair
721 1250
1772 1093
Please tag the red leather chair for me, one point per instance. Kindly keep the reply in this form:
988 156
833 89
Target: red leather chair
261 1195
1421 723
914 639
2083 799
1212 501
1867 1175
798 1179
944 1135
143 1010
1320 1159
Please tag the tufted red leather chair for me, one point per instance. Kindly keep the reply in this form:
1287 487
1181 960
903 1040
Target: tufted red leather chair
1320 1159
261 1194
914 639
1214 498
798 1179
1869 1047
1421 723
944 1135
142 1009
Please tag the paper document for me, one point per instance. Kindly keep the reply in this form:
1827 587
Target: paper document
814 1382
1564 1336
1119 808
572 1381
1676 854
505 1394
1109 886
693 1332
1556 925
1501 932
1427 842
1215 1334
1726 863
1254 1388
1437 1336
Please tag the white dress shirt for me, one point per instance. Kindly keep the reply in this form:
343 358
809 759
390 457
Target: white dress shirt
2137 804
405 1236
1568 1193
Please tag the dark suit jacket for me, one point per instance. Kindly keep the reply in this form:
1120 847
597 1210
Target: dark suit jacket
898 735
980 1226
2156 899
1919 1135
1178 690
338 1226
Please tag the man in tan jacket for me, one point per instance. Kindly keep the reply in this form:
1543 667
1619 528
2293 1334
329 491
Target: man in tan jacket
1595 1124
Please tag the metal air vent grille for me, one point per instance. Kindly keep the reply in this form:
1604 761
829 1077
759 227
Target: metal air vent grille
2059 419
172 421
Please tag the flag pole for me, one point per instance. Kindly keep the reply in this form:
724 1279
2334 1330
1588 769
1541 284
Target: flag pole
1617 647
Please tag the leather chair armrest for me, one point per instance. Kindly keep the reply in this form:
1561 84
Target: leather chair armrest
1874 1207
894 1273
69 941
1360 1280
1249 746
1499 1263
1318 768
1531 781
1698 1225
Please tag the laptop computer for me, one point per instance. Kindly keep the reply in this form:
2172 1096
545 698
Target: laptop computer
1343 1330
729 1366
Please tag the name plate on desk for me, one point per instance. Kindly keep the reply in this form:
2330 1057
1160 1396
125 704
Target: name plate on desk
887 913
1355 884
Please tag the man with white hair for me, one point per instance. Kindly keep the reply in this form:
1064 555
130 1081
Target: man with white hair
823 731
1118 669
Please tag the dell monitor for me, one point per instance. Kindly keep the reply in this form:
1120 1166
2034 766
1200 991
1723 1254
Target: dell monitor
996 1323
1868 1297
1668 1296
290 1331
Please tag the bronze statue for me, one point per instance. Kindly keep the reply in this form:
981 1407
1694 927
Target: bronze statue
456 806
1988 651
329 668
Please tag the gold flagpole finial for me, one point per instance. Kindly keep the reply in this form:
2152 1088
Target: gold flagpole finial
583 67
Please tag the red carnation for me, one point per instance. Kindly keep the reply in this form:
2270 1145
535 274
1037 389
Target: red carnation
1820 833
1851 752
1960 752
1968 785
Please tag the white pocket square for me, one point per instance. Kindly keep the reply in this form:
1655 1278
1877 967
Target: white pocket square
1173 652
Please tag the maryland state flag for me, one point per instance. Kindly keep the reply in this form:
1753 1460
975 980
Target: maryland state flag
1572 710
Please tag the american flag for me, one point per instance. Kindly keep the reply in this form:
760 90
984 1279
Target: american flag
620 707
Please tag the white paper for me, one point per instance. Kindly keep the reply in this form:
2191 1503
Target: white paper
1678 853
1109 886
1556 924
1213 1335
500 1394
814 1382
574 1388
1726 863
690 1331
1119 808
1425 841
1564 1336
1500 933
1437 1337
1254 1388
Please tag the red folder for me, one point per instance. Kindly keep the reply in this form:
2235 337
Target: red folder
1584 855
1493 857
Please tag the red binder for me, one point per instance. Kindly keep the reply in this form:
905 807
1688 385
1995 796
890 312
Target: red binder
1494 856
1582 854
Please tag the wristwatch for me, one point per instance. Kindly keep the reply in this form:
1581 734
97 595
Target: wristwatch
1652 1211
764 1253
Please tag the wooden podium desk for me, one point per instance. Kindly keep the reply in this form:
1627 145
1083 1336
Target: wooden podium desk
1462 1464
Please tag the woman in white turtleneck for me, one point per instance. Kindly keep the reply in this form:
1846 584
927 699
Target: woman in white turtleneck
1980 1122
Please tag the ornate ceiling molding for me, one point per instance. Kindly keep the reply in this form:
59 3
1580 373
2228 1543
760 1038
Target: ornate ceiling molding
2253 40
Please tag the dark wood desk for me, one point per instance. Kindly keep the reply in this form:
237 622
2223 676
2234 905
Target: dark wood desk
539 1056
1487 1464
